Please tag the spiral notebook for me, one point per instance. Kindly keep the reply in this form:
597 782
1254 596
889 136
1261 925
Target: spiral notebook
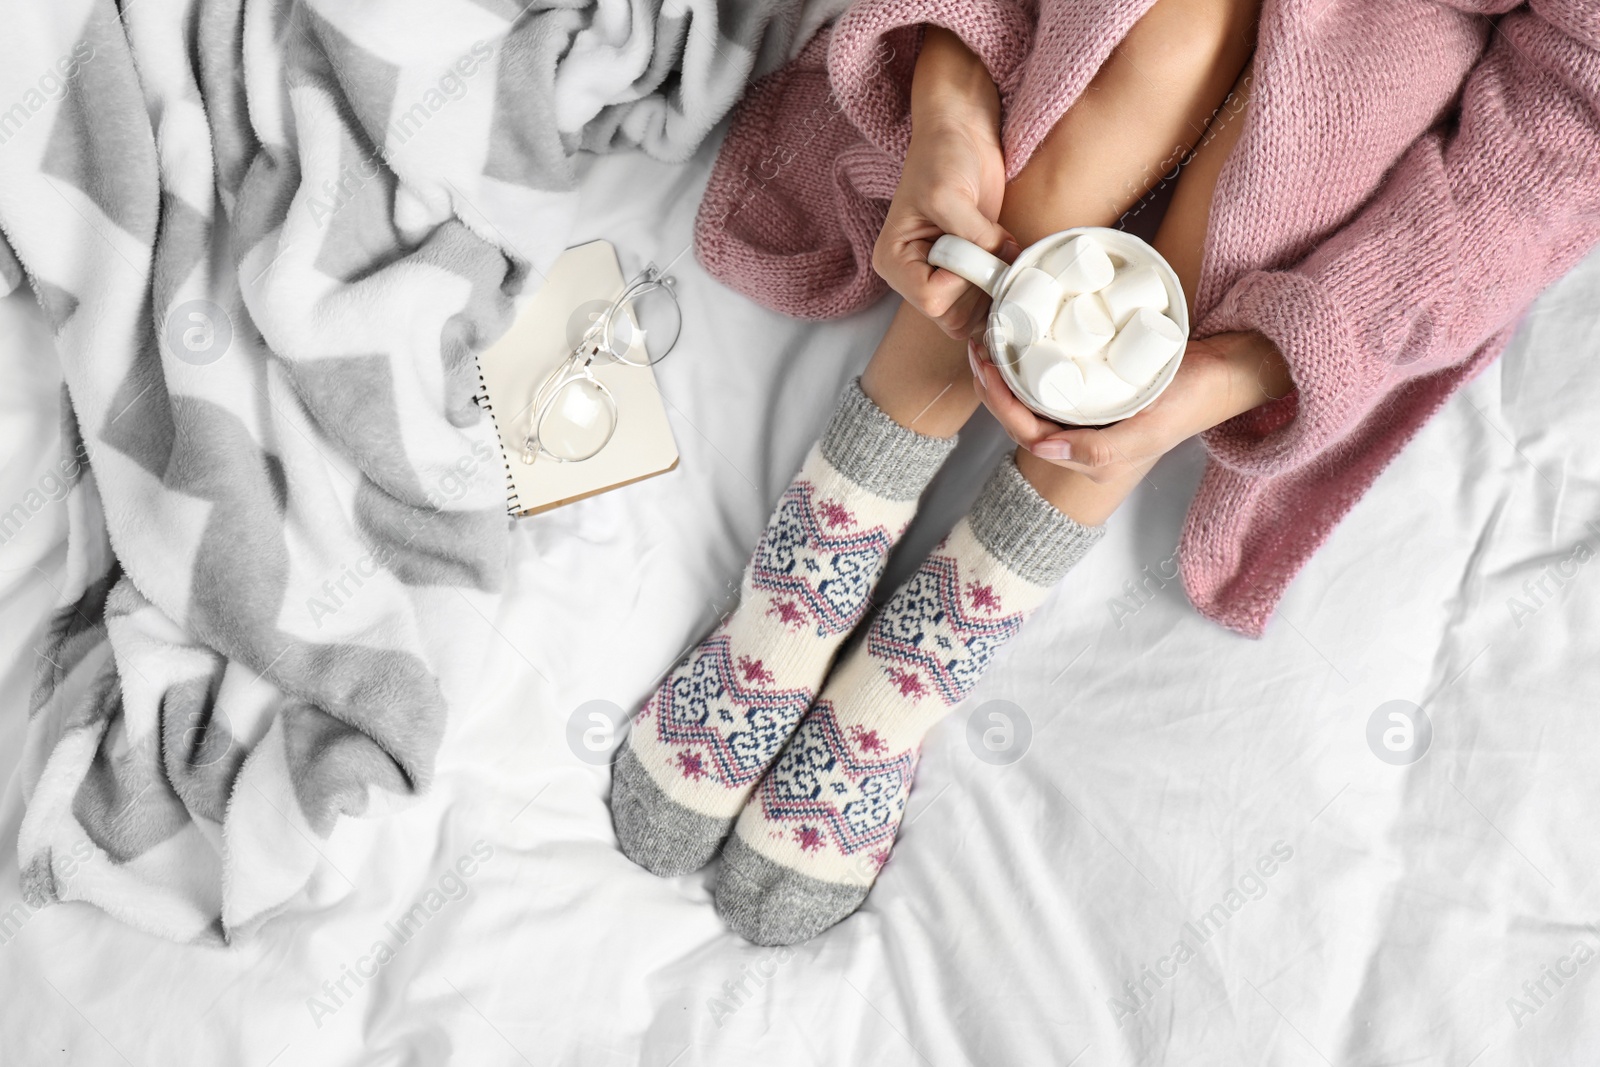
583 282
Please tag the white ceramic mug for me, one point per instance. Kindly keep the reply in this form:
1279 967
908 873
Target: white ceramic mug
994 276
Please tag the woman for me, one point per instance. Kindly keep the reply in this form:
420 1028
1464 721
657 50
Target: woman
1415 173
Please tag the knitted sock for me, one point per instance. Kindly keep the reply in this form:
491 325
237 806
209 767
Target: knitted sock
809 844
719 719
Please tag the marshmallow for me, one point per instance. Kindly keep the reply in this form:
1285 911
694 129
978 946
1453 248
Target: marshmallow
1083 326
1030 305
1061 387
1143 347
1134 288
1038 369
1103 390
1081 265
1068 387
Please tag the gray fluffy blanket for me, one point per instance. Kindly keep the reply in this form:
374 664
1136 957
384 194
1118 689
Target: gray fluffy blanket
270 236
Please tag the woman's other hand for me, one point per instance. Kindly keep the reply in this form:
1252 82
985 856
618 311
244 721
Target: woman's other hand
952 182
1220 377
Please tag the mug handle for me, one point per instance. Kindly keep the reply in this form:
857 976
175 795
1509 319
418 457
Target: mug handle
960 256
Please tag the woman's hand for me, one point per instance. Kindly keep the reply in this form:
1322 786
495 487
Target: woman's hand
952 182
1220 377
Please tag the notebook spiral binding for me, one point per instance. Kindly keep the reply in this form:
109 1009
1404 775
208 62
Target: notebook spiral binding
513 504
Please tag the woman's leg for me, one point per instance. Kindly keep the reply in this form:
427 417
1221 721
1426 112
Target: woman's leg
1145 109
1181 238
808 846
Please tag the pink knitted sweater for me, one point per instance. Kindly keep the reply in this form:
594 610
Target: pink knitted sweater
1412 173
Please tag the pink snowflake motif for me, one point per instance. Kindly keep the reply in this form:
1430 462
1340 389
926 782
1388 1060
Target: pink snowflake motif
984 598
868 740
754 671
809 838
692 764
879 858
908 682
788 613
836 514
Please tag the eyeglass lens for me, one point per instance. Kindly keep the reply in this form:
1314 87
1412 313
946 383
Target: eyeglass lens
644 329
578 421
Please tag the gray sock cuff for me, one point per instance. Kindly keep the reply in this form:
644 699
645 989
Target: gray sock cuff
877 453
1024 531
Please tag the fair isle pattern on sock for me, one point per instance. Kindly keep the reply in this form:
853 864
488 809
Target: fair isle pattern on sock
722 715
812 839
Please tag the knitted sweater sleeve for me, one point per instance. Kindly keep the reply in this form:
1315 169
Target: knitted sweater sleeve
1476 219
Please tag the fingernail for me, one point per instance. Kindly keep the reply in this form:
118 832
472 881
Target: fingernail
1052 450
972 361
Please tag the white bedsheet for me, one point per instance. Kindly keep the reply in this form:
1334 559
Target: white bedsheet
1167 756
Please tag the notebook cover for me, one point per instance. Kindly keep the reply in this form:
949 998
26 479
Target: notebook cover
581 284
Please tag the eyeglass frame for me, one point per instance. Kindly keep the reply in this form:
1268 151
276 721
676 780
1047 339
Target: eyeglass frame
578 364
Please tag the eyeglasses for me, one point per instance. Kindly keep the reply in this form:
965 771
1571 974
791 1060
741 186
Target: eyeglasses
574 413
